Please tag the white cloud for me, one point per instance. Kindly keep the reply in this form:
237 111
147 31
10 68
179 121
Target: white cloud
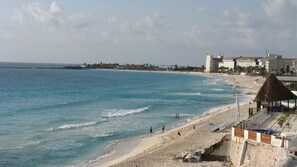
80 20
18 17
151 28
38 13
55 8
280 12
54 16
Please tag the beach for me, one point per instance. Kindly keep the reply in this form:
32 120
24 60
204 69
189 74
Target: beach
165 149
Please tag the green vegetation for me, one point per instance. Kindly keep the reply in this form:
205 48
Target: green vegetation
283 119
144 67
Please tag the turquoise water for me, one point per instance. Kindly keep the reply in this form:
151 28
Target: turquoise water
73 118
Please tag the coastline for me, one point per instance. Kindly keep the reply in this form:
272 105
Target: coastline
128 152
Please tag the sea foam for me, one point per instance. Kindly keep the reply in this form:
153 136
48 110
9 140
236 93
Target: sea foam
217 89
74 126
189 94
98 159
124 112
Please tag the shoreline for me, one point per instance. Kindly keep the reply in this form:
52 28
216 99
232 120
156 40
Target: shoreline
142 143
131 148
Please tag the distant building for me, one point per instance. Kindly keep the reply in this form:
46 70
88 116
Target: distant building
242 61
294 65
248 61
228 62
212 63
276 63
272 63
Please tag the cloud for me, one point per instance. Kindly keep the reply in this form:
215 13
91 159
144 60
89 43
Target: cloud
151 28
280 13
38 13
52 16
80 20
55 8
233 30
18 17
55 17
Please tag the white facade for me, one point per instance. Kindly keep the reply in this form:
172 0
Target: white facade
247 61
209 62
276 63
227 63
212 63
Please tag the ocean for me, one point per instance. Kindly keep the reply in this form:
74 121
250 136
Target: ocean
59 118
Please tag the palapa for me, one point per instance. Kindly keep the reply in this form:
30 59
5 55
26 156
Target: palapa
273 90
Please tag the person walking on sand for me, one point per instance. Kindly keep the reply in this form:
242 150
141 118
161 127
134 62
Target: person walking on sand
163 128
151 130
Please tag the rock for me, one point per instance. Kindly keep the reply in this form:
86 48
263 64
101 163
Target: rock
191 158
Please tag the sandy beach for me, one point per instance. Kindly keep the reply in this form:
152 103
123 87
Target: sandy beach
165 149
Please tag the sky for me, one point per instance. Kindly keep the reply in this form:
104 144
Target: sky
160 32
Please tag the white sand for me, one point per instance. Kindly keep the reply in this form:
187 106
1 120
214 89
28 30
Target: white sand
163 149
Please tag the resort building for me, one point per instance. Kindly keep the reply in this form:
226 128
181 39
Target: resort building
212 63
276 63
228 62
248 61
272 63
233 62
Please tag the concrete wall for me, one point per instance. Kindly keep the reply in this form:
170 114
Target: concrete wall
262 138
256 154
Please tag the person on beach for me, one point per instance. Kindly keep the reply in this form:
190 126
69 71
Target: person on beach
178 133
151 130
163 128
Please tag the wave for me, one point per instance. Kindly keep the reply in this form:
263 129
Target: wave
57 105
74 126
188 94
218 95
217 89
98 159
29 144
59 146
124 112
101 135
211 83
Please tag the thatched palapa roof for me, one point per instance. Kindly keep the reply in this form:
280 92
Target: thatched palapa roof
273 90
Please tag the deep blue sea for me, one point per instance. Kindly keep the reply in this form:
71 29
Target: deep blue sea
57 118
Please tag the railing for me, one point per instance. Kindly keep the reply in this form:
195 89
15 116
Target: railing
257 137
241 129
255 119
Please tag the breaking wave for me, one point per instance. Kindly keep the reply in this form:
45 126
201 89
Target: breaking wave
189 94
98 159
101 135
217 89
124 112
74 126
